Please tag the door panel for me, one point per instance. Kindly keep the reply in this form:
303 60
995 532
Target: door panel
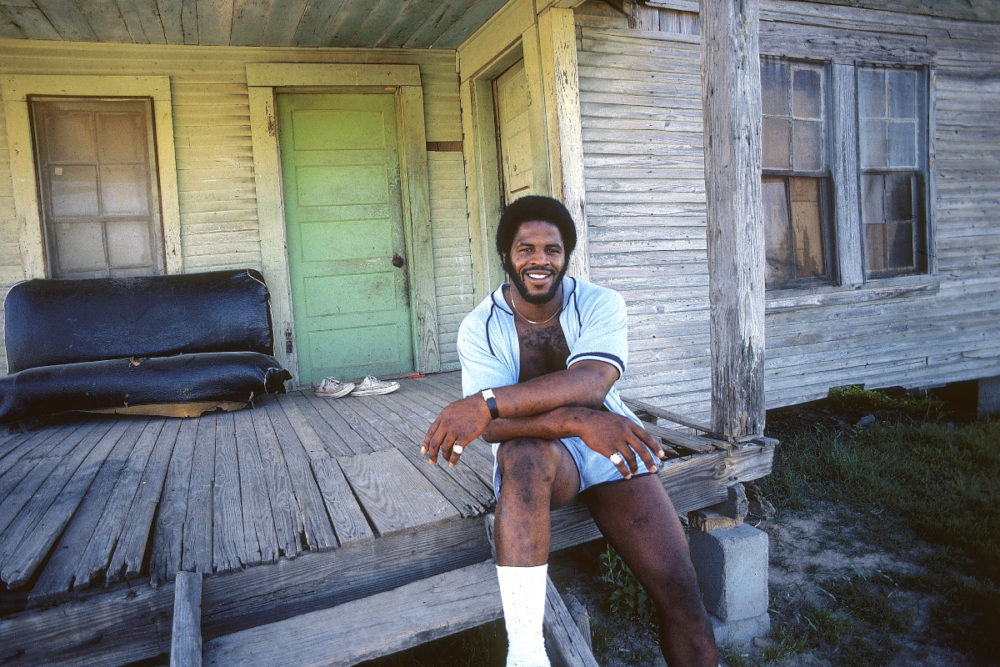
344 225
513 113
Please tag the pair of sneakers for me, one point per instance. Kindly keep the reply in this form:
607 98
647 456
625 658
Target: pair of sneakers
331 387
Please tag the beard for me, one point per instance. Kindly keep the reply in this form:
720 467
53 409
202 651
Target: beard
522 288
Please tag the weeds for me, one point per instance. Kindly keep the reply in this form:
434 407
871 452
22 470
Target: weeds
911 478
626 596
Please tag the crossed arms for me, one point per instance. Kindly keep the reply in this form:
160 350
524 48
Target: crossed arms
556 405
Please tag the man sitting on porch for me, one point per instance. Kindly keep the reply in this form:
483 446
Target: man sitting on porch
540 357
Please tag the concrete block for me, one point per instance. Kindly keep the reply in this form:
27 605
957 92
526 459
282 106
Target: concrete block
989 396
741 631
732 571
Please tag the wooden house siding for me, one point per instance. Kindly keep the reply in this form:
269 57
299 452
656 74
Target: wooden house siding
452 260
915 330
640 100
641 108
219 223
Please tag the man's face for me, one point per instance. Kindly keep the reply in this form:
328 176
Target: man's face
536 262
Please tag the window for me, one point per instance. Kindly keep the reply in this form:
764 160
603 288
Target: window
839 206
893 152
100 205
796 176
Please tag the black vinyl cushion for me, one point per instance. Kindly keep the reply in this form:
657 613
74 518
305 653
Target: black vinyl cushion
110 343
67 321
113 383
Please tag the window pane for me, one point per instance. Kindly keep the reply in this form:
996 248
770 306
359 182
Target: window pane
874 145
807 145
122 137
898 197
902 94
873 202
128 244
79 246
808 99
875 247
899 244
775 143
123 190
810 255
777 232
69 137
902 144
774 88
871 93
74 191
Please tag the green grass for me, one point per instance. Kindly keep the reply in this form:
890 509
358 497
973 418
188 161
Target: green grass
912 479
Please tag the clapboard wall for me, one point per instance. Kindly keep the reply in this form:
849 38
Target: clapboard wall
212 135
641 102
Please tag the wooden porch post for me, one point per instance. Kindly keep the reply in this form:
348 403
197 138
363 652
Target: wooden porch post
730 72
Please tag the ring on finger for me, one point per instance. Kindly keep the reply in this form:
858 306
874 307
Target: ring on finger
616 459
458 449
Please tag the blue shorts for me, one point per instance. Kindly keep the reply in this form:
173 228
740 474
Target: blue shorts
594 468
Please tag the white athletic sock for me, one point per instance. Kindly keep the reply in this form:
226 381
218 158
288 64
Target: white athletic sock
522 591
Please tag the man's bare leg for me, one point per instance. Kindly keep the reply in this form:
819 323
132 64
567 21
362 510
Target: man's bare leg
537 476
638 519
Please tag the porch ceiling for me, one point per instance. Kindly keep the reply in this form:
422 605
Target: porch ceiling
328 23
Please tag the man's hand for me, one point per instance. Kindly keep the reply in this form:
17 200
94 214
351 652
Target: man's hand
608 433
459 423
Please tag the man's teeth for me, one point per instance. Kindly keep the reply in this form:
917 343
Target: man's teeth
538 276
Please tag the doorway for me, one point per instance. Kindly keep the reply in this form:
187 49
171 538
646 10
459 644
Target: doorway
347 258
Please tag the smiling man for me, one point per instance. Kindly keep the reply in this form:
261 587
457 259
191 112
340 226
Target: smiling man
540 358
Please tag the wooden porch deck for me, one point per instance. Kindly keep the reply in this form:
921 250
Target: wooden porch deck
295 505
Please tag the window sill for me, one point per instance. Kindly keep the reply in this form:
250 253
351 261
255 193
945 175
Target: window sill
885 289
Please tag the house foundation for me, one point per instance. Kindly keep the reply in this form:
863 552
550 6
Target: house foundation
989 396
731 560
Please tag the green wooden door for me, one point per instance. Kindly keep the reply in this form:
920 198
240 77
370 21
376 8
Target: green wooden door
344 226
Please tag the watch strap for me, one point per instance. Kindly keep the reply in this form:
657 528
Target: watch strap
491 403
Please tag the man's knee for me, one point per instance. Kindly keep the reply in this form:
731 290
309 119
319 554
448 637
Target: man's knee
529 456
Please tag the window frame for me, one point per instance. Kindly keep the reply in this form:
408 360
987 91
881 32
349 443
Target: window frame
920 174
37 107
16 89
845 199
824 177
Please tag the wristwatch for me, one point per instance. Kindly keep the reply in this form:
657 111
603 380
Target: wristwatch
491 403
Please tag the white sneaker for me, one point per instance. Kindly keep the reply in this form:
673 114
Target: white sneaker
372 386
331 387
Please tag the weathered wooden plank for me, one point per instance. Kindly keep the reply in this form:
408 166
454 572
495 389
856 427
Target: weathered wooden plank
346 515
196 545
318 533
228 541
258 522
346 408
360 630
309 429
97 554
477 455
663 413
130 551
287 519
460 485
324 408
394 495
564 643
165 559
36 491
185 630
15 467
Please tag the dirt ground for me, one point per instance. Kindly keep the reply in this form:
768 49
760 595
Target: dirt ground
804 550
